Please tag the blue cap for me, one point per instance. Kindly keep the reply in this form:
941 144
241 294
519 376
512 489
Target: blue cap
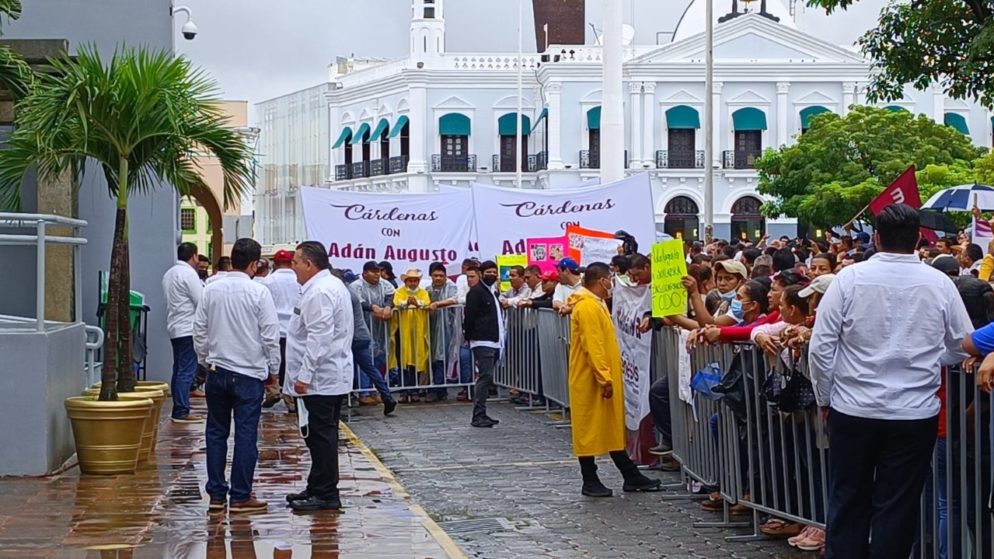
863 237
569 264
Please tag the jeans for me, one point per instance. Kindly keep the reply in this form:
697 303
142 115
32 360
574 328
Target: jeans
465 365
363 358
438 377
323 413
184 371
486 359
231 393
659 407
877 470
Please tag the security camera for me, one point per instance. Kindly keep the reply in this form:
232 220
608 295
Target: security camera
189 30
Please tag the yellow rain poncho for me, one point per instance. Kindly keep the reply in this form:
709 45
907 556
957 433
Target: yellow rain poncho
598 424
413 326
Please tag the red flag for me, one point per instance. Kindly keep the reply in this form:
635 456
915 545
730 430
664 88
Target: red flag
904 190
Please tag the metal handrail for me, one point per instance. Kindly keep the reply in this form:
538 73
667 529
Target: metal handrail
40 223
93 367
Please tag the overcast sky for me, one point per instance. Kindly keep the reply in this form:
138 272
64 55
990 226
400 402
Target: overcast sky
262 49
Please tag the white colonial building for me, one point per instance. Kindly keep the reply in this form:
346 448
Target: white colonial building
439 118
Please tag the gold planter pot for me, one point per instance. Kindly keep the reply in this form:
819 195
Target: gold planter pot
150 432
108 435
149 385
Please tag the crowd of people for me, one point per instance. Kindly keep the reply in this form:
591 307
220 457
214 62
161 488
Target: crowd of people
871 321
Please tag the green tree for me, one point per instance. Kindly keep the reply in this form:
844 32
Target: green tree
949 42
841 163
15 74
141 118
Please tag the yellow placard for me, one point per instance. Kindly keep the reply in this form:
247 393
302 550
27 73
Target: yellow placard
668 267
504 265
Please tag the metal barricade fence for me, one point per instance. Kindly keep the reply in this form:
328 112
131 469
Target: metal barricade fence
554 341
519 364
776 463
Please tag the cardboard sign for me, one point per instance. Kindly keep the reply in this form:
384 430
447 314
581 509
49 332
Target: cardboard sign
668 267
504 265
588 245
546 252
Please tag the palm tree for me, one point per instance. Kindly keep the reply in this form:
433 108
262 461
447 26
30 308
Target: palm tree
15 74
141 118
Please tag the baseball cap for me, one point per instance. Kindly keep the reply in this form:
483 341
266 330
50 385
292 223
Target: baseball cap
569 264
733 267
283 256
550 276
818 285
946 264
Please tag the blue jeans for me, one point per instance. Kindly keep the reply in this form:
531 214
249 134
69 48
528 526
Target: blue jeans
465 365
184 371
363 359
438 377
231 393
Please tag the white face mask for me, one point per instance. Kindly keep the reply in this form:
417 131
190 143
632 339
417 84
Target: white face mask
302 418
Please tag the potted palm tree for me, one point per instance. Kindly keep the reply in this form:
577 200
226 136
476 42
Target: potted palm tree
139 118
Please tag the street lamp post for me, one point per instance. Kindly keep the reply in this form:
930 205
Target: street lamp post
709 122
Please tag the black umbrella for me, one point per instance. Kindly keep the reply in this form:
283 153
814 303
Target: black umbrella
937 221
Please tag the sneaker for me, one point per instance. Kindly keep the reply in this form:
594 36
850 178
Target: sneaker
793 541
315 504
389 405
642 484
596 490
813 542
661 449
248 505
217 505
302 496
189 418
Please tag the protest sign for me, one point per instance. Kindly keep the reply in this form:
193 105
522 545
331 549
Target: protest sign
504 265
668 267
546 252
588 245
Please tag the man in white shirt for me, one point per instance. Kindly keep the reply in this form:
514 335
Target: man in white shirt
462 284
182 289
884 329
519 290
319 371
236 332
283 286
569 281
221 269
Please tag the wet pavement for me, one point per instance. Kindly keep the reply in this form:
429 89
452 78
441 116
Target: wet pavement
161 511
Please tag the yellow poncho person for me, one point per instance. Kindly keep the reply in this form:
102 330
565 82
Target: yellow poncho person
598 423
413 324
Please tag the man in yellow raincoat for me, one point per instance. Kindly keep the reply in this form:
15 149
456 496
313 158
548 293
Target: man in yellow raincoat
411 303
595 387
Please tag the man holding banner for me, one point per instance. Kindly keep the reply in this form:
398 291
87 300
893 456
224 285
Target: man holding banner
598 414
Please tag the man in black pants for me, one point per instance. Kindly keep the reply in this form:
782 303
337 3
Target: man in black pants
483 327
319 371
885 327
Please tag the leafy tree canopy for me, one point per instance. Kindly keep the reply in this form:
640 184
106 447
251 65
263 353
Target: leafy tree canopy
841 163
921 42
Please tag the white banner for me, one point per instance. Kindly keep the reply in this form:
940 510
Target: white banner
628 306
407 230
506 217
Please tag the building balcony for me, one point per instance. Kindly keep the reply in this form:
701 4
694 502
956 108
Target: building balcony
343 172
398 164
590 159
740 159
379 167
360 169
666 159
441 163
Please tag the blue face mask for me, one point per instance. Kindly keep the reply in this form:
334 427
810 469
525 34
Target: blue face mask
736 308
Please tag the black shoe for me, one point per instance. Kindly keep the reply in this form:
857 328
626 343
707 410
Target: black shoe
315 504
482 422
302 496
596 490
642 484
491 420
661 449
389 405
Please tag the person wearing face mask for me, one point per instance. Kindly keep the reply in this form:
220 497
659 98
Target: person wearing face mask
483 327
729 276
595 387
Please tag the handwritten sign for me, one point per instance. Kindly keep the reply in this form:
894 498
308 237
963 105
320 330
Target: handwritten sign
588 245
668 266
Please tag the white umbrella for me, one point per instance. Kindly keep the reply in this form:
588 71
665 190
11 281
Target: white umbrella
961 198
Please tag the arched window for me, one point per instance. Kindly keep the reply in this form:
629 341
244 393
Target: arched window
507 127
748 224
453 131
958 122
591 157
807 113
681 220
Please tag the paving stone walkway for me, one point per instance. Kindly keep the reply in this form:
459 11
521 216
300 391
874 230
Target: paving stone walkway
160 512
513 491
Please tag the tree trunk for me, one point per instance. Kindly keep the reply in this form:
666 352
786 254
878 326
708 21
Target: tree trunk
118 372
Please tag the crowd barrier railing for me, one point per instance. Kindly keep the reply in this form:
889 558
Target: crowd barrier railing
554 341
519 367
776 463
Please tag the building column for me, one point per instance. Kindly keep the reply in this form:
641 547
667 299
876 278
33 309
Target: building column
417 167
848 96
938 105
635 110
334 131
554 91
783 88
719 128
649 125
